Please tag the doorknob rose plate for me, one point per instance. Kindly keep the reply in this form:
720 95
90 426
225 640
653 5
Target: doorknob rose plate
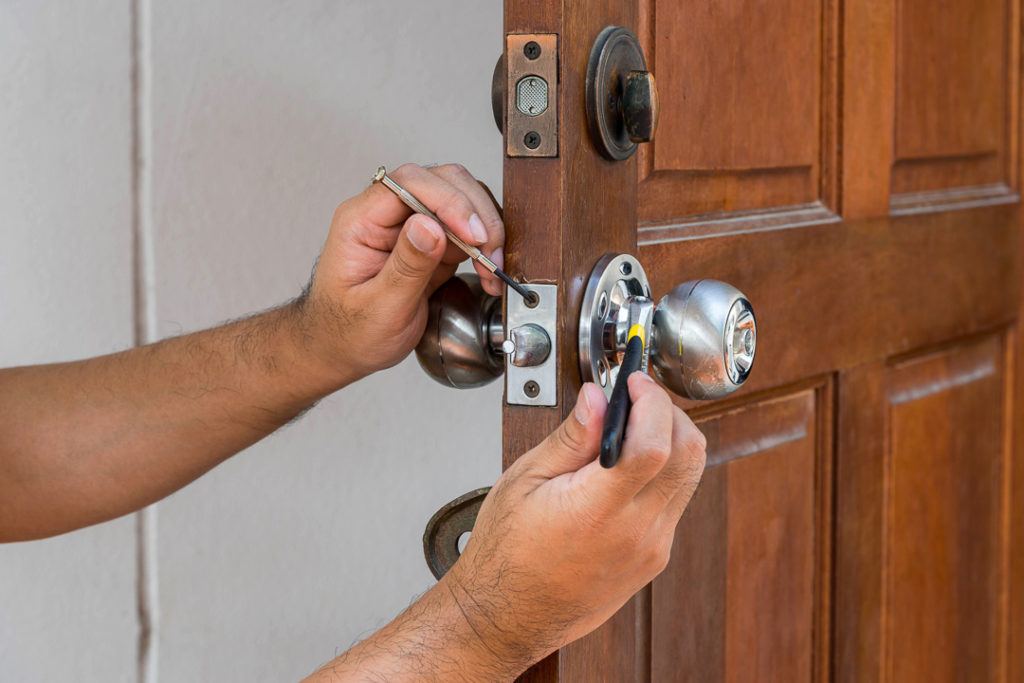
603 321
622 98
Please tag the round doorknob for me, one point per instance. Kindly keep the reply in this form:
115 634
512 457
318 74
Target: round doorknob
461 345
704 339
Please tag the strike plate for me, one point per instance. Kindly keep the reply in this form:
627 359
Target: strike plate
536 385
531 95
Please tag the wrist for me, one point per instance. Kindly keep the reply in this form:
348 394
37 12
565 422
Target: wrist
321 343
488 620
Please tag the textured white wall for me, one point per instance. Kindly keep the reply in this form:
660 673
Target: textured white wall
264 116
67 605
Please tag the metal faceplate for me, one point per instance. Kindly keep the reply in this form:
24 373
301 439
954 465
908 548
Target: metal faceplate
535 385
531 95
615 279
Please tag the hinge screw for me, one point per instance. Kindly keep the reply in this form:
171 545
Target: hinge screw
532 139
531 50
531 389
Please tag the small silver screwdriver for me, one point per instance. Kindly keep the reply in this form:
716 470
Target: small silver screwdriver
382 177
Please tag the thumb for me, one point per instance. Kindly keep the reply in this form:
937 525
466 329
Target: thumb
577 439
416 254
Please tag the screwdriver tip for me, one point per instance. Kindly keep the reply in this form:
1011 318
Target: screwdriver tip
379 175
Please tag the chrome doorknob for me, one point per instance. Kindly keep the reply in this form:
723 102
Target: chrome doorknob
703 340
461 345
464 342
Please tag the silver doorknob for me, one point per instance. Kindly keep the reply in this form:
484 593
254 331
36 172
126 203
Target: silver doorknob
704 339
461 345
464 341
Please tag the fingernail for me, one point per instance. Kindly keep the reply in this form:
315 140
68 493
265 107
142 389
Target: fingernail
498 258
476 228
421 236
582 409
645 376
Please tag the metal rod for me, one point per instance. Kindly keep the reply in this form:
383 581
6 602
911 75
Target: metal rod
382 177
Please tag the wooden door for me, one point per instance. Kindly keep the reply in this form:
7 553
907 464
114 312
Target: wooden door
853 168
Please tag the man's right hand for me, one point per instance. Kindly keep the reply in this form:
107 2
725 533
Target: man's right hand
561 543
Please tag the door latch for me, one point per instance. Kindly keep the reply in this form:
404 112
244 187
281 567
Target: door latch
531 94
466 337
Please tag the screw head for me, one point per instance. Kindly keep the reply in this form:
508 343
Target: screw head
531 389
532 139
625 268
531 50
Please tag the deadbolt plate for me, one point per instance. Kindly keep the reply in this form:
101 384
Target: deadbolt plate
531 72
534 385
615 278
615 54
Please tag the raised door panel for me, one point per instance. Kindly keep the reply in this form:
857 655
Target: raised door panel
945 544
922 516
741 106
952 78
750 551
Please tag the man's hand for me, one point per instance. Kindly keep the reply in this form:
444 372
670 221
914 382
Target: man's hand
88 441
368 302
559 545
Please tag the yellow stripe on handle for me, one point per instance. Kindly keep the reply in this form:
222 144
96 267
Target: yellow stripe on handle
636 331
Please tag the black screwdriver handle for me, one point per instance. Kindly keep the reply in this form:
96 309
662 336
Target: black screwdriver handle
618 407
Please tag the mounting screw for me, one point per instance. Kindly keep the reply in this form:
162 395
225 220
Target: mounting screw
532 139
531 389
625 268
531 50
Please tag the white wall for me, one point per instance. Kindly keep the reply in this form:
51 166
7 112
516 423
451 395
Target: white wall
264 116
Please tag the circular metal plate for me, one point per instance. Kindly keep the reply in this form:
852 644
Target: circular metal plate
615 278
616 52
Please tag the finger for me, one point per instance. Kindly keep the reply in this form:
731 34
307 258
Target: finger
647 443
407 273
683 469
576 440
448 202
487 211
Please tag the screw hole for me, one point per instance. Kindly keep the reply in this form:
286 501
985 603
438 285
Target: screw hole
463 540
531 299
625 268
602 305
602 372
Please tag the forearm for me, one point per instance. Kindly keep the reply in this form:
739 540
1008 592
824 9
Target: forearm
430 641
87 441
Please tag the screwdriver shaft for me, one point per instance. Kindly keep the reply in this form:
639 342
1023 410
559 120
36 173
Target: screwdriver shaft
382 177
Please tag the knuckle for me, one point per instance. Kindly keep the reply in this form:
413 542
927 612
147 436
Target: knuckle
402 269
404 170
566 439
664 556
453 170
655 452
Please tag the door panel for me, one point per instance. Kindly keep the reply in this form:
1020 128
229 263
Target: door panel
742 108
951 83
946 452
748 550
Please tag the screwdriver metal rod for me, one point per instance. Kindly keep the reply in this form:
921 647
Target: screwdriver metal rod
382 177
